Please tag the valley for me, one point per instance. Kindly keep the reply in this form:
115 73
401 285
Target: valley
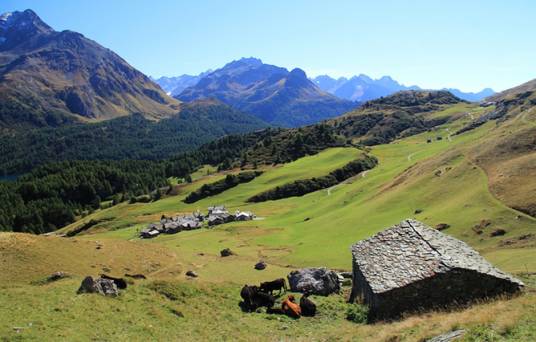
257 202
435 182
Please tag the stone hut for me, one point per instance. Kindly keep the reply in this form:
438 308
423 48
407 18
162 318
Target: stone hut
412 267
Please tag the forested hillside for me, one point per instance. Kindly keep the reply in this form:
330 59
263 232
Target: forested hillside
132 137
55 194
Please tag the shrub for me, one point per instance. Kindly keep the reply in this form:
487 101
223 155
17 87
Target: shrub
357 313
220 186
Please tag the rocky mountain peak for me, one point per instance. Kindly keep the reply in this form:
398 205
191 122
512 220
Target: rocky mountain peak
27 21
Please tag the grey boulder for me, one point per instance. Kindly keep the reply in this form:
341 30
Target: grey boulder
318 281
105 287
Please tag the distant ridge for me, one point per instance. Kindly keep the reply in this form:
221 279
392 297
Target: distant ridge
363 88
173 86
273 94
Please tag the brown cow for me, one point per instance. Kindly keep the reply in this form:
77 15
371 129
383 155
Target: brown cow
290 308
307 306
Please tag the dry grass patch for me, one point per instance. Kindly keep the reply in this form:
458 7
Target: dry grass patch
25 257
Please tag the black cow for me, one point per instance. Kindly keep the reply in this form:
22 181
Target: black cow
254 298
271 286
308 307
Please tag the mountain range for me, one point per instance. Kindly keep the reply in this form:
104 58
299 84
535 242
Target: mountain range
359 88
49 78
363 88
273 94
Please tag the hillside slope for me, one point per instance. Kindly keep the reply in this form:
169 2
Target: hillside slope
50 78
508 153
271 93
401 114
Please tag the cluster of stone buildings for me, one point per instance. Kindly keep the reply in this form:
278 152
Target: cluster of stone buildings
172 225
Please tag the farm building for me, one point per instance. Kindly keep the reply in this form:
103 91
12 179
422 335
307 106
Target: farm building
411 267
244 216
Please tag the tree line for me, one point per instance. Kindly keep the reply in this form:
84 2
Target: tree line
305 186
230 181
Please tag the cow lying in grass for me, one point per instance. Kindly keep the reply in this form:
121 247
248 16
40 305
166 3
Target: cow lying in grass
288 307
271 286
308 307
253 298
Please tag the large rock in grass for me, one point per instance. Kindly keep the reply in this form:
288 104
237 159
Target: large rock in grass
318 281
105 287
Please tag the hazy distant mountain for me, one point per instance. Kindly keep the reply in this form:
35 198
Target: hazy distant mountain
363 88
360 88
48 78
271 93
473 97
173 86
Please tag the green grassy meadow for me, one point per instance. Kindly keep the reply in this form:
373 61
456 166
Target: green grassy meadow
318 229
437 178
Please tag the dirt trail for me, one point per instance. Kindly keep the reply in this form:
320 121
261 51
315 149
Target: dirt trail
449 135
411 155
361 174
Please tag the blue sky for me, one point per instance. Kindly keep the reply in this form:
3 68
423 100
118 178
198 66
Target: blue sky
432 43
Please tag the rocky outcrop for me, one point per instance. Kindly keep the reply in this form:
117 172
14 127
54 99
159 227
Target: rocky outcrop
105 287
448 337
318 281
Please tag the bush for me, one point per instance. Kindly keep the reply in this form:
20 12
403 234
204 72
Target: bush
357 313
220 186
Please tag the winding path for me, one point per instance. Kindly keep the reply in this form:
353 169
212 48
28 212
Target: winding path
362 174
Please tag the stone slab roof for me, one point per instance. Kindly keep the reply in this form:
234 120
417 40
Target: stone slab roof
411 251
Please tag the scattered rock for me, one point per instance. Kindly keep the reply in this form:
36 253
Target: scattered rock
418 211
261 265
498 232
318 281
192 274
226 252
56 276
448 337
442 226
177 313
346 275
306 219
479 228
105 287
135 276
345 278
